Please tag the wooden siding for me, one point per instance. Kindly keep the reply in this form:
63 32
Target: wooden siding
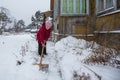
92 15
73 25
51 4
108 22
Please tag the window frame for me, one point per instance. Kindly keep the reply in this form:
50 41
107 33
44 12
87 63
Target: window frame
104 6
117 5
107 11
74 9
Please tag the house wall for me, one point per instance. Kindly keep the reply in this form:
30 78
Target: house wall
73 25
92 15
108 22
111 40
51 4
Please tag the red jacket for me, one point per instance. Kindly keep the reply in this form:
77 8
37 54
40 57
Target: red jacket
43 34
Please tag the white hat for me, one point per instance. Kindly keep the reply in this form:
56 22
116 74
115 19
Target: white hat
48 23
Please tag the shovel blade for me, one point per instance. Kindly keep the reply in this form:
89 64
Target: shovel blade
44 65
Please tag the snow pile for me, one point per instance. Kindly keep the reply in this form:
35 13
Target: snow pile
70 52
78 47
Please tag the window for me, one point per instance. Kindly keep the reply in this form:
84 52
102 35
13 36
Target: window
107 6
118 4
100 5
74 7
104 5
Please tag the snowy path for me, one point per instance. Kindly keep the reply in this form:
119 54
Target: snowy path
52 61
23 48
9 46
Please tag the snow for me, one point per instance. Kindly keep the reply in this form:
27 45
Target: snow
107 72
64 58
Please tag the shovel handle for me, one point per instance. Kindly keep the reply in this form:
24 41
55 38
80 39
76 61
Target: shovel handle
41 55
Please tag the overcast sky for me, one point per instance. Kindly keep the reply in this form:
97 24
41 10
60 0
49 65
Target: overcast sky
24 9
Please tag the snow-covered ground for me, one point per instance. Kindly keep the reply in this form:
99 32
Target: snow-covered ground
19 52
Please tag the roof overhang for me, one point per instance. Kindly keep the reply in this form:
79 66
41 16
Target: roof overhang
47 13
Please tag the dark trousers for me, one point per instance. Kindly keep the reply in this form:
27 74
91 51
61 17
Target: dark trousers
40 49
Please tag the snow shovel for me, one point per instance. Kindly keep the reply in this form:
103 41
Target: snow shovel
42 65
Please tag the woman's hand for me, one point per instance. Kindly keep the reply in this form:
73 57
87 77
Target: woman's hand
43 45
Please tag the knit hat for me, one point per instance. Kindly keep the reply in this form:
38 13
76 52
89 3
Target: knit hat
48 23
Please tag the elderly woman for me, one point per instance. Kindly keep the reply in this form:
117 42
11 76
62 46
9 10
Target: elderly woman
42 36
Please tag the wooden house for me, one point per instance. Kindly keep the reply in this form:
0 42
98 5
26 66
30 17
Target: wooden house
84 18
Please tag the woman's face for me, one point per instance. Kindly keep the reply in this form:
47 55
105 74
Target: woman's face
47 27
